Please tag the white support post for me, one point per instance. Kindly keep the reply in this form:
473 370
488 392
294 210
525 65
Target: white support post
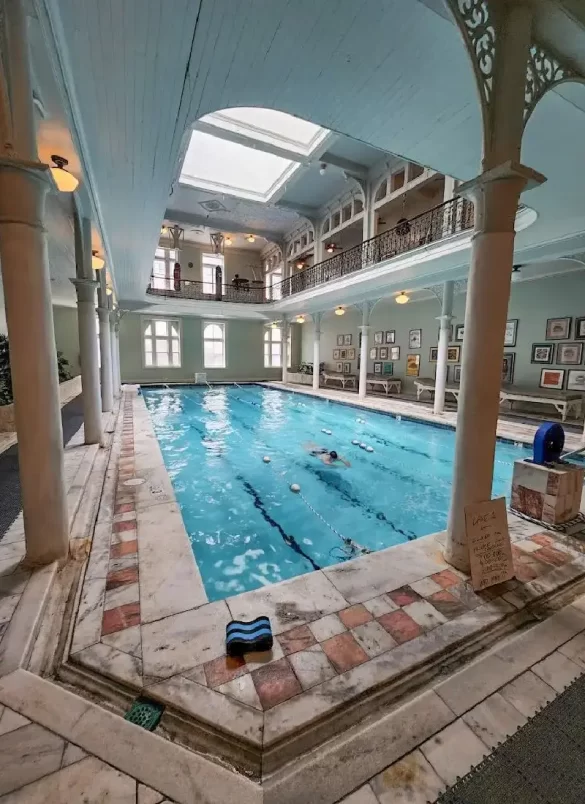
114 347
368 221
284 349
105 346
316 350
365 332
445 326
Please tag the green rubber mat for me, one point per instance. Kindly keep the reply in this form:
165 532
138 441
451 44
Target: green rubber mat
542 763
146 713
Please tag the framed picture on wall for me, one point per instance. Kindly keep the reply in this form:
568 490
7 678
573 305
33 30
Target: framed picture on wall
340 340
339 368
391 335
336 354
569 354
456 373
576 380
394 353
373 353
542 353
414 338
383 353
454 354
347 368
508 367
377 368
351 353
412 365
343 354
580 328
558 329
433 354
511 332
388 369
378 337
347 340
552 378
459 332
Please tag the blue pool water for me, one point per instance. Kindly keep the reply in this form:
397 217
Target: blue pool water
248 529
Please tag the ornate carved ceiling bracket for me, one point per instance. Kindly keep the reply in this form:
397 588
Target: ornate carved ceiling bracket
543 72
477 26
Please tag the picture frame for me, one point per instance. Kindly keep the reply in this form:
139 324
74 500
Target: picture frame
347 368
377 368
552 378
457 374
569 354
347 340
579 329
576 380
351 353
412 365
343 354
542 353
394 354
340 340
453 354
373 353
391 335
459 332
511 332
433 354
508 361
378 337
558 329
415 338
336 354
388 369
383 353
339 368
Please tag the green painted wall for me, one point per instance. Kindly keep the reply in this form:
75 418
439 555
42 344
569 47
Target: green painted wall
67 335
244 353
530 302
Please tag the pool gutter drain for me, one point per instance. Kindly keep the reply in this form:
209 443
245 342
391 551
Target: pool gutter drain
145 712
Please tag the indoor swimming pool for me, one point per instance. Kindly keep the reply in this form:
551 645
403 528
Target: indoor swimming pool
248 529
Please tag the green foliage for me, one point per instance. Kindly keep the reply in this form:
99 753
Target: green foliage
5 377
63 366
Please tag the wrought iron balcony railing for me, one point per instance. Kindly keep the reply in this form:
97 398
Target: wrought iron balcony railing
447 219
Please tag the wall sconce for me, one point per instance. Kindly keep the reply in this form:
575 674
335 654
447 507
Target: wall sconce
65 181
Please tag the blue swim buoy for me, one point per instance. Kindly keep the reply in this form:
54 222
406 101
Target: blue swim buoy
549 441
242 637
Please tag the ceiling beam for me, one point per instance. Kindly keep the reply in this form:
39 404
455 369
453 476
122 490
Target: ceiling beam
301 209
249 142
190 219
351 168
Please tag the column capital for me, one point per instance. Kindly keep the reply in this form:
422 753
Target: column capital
365 328
527 177
85 284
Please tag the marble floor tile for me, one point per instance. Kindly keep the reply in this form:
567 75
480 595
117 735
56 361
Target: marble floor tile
275 683
425 614
575 649
446 578
7 606
404 595
89 781
223 669
88 625
412 780
11 720
379 605
355 615
400 626
111 662
528 693
299 638
242 689
373 638
494 719
311 666
295 602
119 565
557 671
362 796
197 674
121 577
182 641
128 641
447 604
454 751
73 753
14 584
120 595
425 587
28 754
124 616
146 795
466 595
344 652
127 547
263 657
327 627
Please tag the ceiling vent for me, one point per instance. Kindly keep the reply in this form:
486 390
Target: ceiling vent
213 206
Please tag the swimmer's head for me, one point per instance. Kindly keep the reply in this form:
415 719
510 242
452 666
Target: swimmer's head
333 455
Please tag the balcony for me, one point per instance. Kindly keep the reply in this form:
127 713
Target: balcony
451 218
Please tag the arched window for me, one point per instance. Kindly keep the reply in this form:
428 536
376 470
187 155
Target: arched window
213 345
273 348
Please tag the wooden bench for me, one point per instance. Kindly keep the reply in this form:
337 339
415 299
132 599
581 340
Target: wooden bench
344 379
389 384
427 384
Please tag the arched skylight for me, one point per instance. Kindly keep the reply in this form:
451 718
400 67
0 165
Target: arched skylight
248 152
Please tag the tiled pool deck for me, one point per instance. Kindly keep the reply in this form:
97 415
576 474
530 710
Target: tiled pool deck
349 638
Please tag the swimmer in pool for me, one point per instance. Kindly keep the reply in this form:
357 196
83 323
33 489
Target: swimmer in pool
329 457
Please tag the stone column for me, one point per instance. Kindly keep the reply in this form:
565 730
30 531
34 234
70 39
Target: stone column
114 348
368 221
88 351
284 350
365 331
105 346
496 194
29 312
316 350
118 365
445 326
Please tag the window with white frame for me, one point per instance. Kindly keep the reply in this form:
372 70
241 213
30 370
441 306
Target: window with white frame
272 347
213 345
162 342
273 286
163 267
209 263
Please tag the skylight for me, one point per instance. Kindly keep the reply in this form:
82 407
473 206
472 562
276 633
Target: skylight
233 160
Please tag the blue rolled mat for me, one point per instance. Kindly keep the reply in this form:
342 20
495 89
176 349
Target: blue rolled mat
242 637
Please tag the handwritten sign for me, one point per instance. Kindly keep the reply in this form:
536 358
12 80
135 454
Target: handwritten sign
490 552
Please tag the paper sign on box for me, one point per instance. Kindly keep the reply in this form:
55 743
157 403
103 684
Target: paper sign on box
490 551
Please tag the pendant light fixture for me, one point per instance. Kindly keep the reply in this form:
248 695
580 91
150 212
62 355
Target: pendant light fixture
300 264
402 298
330 248
65 181
339 310
251 238
109 291
97 263
300 319
228 241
